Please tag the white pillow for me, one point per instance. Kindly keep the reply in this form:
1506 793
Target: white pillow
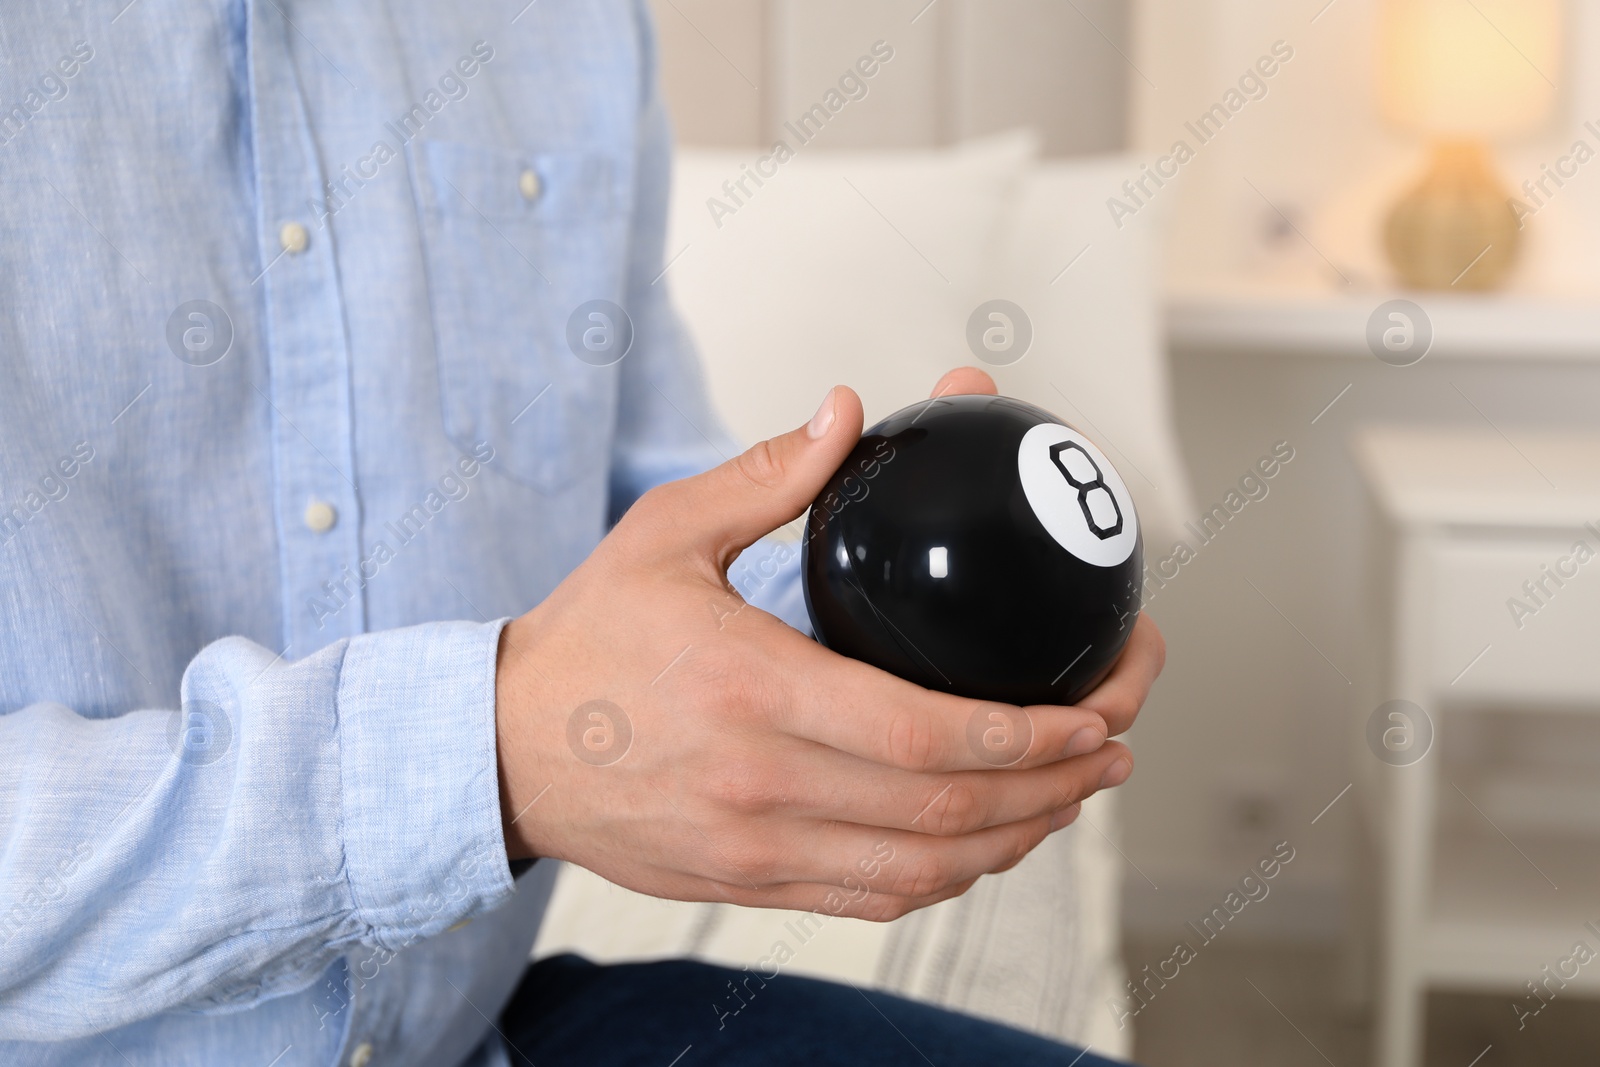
852 267
864 267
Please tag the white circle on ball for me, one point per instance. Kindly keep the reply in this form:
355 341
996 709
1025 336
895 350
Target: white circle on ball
1077 495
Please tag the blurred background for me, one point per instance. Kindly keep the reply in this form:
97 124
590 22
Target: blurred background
1349 241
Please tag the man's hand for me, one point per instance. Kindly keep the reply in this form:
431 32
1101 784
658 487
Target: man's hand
655 729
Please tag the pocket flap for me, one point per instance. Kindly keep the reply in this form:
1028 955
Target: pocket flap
566 187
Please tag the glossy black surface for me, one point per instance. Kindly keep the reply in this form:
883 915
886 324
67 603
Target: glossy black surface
1015 618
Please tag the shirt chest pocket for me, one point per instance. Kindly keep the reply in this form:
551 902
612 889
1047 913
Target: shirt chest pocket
514 246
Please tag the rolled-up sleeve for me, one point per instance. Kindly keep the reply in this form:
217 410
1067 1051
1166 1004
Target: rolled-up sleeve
209 856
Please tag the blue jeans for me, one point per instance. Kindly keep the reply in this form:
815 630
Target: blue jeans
571 1011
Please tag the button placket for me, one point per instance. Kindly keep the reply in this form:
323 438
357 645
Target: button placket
309 382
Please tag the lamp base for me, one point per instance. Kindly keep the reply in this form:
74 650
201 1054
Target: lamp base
1456 229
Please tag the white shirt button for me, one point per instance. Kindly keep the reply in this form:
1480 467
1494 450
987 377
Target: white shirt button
361 1055
294 238
320 516
529 184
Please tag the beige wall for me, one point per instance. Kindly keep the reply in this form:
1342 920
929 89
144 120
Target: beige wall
1248 721
734 70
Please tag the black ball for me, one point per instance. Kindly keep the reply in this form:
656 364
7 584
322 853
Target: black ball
980 546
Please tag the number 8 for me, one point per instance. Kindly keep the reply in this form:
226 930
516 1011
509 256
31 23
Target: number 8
1085 488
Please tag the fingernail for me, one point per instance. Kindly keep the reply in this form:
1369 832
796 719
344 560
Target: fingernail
1064 817
1116 774
823 419
1085 741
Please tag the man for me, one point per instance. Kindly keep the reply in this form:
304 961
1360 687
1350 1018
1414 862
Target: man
292 428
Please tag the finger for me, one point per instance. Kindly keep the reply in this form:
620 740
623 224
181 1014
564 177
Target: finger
1118 699
859 709
856 859
965 381
1022 796
823 784
920 865
728 508
855 902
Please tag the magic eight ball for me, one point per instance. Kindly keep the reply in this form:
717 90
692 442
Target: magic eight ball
976 545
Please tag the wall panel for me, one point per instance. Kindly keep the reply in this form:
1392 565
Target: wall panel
735 70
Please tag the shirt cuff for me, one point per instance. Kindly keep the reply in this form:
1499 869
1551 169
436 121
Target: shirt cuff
424 845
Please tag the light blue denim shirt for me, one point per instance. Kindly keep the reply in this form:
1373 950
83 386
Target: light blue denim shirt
290 422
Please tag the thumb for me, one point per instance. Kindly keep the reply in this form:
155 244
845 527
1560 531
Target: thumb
730 507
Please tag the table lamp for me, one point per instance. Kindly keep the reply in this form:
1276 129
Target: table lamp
1463 72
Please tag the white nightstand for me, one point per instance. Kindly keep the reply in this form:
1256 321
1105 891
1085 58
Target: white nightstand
1302 319
1467 896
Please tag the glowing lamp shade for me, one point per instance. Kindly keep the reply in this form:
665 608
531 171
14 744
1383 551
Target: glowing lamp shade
1469 68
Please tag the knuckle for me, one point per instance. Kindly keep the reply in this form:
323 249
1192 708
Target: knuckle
1119 710
1024 842
654 506
1073 787
912 742
922 875
654 521
743 861
956 810
731 680
1024 845
655 498
882 908
745 789
739 893
761 464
